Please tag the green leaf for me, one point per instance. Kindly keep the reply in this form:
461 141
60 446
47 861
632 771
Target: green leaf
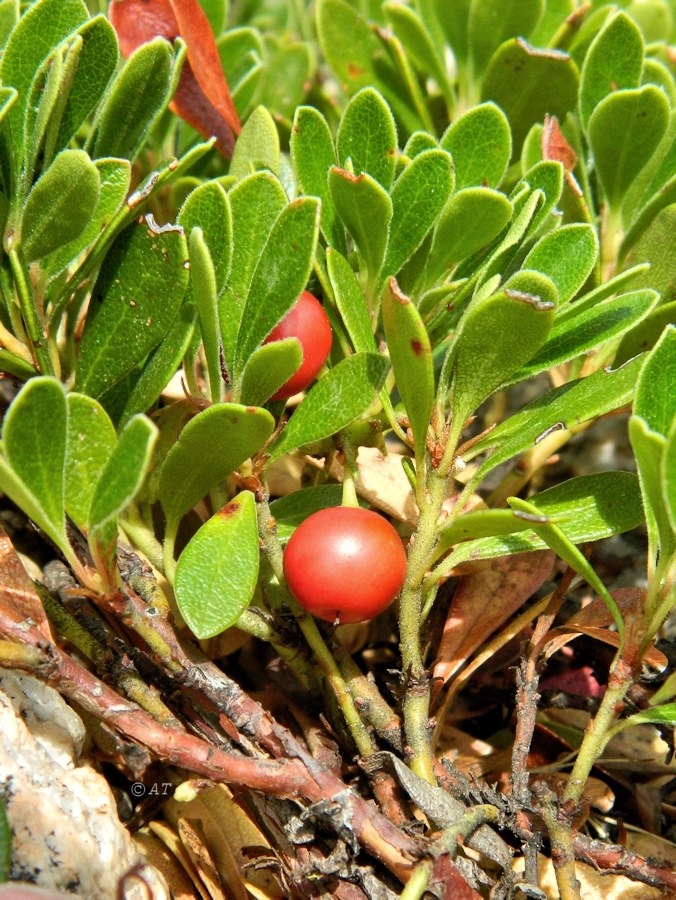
480 143
138 96
34 445
567 256
624 131
418 44
418 197
495 337
114 178
367 137
366 211
655 246
471 219
557 410
134 302
204 290
91 441
313 154
582 503
60 205
217 572
656 715
594 507
418 142
646 334
564 547
44 101
453 18
291 510
281 274
208 208
210 447
355 54
345 392
529 281
42 27
119 483
601 292
649 450
9 16
572 336
96 65
257 146
669 476
350 301
658 171
546 176
161 365
613 62
655 398
491 24
285 79
268 368
528 84
499 259
411 354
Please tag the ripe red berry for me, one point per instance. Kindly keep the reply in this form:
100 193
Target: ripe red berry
345 564
308 322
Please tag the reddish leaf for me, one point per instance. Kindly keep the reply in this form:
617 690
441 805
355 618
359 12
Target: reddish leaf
484 601
202 98
22 616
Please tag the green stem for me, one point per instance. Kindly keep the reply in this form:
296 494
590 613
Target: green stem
596 736
143 537
168 561
563 852
417 700
31 316
311 633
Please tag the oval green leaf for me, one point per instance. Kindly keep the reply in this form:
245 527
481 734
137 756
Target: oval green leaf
480 143
91 441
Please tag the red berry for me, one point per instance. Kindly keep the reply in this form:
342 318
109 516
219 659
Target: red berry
345 564
308 322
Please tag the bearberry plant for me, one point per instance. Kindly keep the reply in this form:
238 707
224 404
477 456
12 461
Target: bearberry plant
266 263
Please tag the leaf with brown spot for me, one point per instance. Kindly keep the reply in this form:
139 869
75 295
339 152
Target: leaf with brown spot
202 97
22 616
483 602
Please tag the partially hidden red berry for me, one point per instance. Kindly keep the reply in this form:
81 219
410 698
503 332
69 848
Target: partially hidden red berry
345 564
308 322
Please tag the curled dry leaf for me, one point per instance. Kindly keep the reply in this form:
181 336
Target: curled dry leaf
202 97
22 617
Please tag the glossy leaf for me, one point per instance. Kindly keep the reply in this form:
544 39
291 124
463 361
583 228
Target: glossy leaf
134 302
60 205
367 137
350 301
495 337
98 59
114 179
562 408
162 364
613 62
268 368
34 445
345 392
280 276
365 209
489 25
471 219
140 93
567 256
291 510
528 84
411 354
313 154
624 131
90 443
418 197
208 208
203 281
594 507
221 437
655 398
217 572
573 335
202 96
41 28
480 143
119 483
257 146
